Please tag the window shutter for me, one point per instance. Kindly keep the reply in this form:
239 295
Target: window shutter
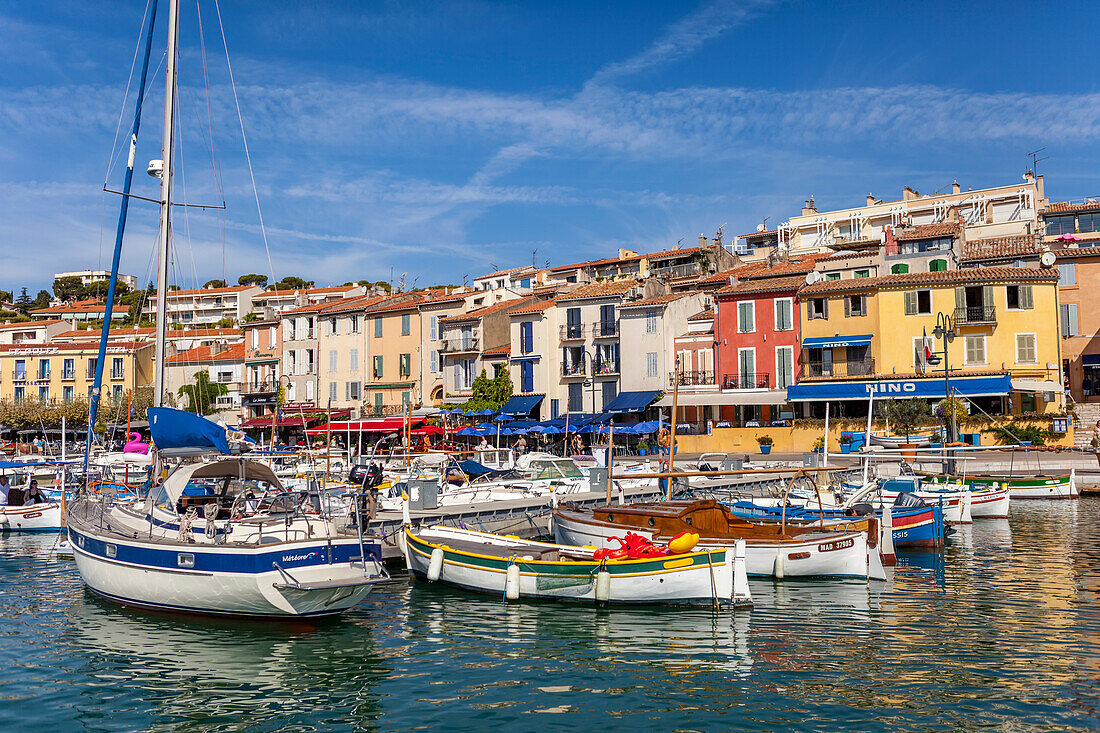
1063 318
987 296
825 302
847 306
910 302
1073 319
1025 297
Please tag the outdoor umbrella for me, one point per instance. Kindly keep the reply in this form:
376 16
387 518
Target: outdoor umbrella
486 411
550 430
487 426
466 432
645 427
428 430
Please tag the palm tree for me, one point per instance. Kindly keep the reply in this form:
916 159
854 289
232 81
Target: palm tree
202 393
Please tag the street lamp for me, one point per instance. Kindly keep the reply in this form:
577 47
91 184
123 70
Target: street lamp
945 329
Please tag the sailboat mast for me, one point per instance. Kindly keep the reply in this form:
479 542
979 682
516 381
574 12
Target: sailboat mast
120 230
165 202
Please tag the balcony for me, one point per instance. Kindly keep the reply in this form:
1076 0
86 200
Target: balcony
118 374
465 344
580 369
975 314
605 329
825 369
266 386
68 374
572 332
746 380
19 376
690 269
693 379
607 368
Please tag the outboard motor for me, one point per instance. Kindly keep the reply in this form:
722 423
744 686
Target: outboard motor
366 475
909 501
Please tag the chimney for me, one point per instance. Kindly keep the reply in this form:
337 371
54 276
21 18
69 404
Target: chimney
870 200
909 194
955 187
702 240
1029 175
809 207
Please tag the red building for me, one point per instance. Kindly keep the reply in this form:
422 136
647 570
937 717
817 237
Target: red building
756 329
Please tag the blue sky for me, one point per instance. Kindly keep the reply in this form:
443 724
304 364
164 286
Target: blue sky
441 139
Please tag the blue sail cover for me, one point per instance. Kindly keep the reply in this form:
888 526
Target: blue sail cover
172 428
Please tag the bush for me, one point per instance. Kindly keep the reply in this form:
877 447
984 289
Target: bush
1014 432
764 440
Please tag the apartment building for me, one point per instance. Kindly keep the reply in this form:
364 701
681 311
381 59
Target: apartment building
31 332
517 279
66 371
475 341
432 312
225 365
207 306
648 328
866 335
262 350
533 364
393 357
79 311
697 394
300 349
87 277
271 303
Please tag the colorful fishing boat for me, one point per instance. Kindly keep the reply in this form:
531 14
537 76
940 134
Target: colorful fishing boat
1035 486
913 526
771 549
514 569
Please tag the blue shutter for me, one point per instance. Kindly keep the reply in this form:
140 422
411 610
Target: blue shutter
526 337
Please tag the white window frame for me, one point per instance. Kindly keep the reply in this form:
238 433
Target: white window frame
917 342
752 318
1034 347
778 371
790 313
931 305
966 350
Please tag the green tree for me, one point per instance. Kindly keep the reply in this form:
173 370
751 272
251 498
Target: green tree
6 296
69 288
253 279
213 284
251 317
201 394
290 282
42 300
907 414
501 388
23 303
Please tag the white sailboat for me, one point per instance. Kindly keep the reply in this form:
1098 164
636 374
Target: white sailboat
222 537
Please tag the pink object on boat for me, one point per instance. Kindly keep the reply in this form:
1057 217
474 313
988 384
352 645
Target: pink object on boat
135 445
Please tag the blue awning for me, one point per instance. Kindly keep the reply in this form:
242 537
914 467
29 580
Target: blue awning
631 401
1090 359
828 342
898 388
521 404
518 359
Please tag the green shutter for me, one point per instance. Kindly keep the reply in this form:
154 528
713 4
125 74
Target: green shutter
987 296
1025 297
847 306
960 297
910 302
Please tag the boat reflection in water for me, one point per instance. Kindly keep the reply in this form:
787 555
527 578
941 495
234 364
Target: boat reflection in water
207 672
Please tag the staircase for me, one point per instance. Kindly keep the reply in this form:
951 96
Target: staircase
1089 413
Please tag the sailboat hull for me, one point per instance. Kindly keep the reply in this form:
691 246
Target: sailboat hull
291 580
34 518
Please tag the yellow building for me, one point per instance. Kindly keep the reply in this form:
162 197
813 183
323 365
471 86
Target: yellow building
393 355
64 372
864 335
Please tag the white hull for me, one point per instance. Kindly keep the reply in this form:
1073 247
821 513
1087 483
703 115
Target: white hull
221 593
809 558
34 518
991 504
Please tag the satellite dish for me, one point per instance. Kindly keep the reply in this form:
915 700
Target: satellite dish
1047 259
759 227
812 276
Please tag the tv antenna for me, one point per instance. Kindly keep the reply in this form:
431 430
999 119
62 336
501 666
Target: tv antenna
1035 160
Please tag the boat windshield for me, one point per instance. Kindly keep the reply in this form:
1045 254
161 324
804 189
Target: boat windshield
554 469
159 496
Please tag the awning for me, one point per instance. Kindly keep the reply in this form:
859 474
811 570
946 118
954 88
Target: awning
738 397
521 404
631 401
381 425
286 422
1035 385
828 342
898 388
518 359
1090 359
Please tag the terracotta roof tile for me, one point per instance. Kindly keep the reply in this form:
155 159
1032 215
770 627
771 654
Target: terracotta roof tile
1075 252
489 310
740 271
30 324
800 265
764 233
707 315
763 285
268 294
208 353
997 247
671 253
1065 207
80 346
927 231
536 307
847 255
945 277
403 302
498 351
598 290
79 306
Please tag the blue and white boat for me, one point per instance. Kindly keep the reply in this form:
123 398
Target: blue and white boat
219 537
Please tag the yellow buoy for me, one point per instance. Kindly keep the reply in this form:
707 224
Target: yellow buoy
683 542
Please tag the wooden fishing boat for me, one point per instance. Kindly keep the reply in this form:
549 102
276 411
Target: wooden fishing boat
1035 486
516 569
918 526
31 518
771 549
900 441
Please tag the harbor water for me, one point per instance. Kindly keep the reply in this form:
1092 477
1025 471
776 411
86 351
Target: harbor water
1001 631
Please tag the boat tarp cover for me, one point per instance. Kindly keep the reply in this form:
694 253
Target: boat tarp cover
473 468
172 428
243 469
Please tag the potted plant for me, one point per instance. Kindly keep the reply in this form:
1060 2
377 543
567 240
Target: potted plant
845 443
819 445
765 442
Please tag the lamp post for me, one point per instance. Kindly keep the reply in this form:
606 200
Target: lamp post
945 329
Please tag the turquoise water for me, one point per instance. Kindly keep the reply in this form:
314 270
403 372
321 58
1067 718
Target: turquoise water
1002 631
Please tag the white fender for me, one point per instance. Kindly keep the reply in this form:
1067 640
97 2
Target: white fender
435 565
511 583
603 586
741 592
